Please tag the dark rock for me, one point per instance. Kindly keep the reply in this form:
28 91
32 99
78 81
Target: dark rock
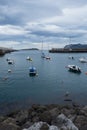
45 117
10 126
44 127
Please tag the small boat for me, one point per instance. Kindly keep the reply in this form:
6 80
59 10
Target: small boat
9 70
32 71
83 60
71 57
48 58
74 68
28 58
10 61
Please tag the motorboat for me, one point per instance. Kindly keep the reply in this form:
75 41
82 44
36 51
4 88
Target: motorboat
48 58
10 61
32 71
28 58
83 60
74 68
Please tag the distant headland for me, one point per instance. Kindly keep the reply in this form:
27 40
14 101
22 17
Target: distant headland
71 48
30 49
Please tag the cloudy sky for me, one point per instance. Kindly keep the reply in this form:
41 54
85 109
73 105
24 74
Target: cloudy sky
28 23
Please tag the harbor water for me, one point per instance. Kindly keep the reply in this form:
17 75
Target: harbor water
19 90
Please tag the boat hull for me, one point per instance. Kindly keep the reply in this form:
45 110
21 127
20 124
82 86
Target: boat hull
75 71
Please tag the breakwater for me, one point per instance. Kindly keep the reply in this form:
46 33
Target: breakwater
46 116
62 50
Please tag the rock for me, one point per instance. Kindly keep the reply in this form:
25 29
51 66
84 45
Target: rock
36 126
54 112
2 118
10 126
21 117
9 120
42 126
83 127
27 124
45 117
81 120
67 112
64 123
84 111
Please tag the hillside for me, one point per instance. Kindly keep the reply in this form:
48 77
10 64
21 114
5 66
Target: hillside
76 46
71 48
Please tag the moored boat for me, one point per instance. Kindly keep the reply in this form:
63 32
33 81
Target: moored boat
74 68
83 60
32 71
10 61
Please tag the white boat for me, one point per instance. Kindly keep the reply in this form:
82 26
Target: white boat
32 71
28 58
74 68
48 58
83 60
10 61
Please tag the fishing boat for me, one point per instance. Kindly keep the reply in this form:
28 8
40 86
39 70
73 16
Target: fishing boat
32 71
74 68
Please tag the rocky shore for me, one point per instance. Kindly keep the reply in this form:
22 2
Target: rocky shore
4 50
46 117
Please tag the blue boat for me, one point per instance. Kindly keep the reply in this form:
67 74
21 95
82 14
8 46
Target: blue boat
32 71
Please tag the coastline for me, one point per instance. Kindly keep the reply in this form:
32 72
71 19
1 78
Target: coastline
25 118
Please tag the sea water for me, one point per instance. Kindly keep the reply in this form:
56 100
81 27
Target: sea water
19 90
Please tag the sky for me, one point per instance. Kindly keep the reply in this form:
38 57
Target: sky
55 23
